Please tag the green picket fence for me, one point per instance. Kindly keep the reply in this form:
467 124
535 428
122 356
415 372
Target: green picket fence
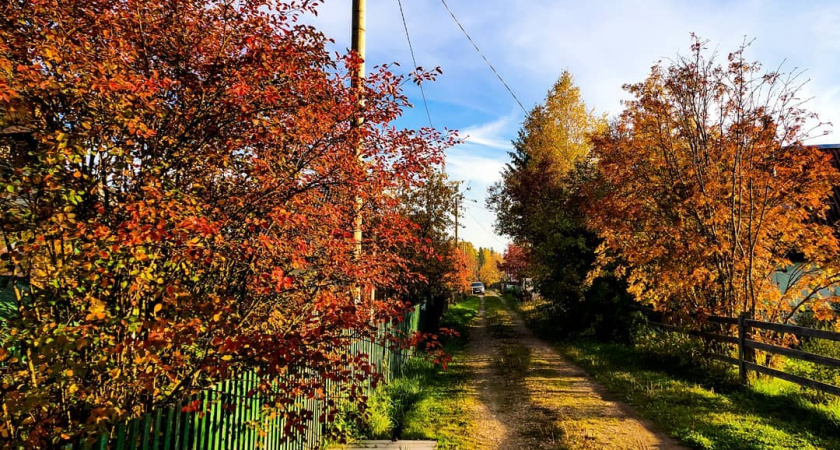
235 420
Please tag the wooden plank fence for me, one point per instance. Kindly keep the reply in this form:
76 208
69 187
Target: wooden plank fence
232 415
742 341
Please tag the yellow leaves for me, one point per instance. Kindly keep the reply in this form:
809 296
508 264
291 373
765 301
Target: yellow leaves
157 309
96 311
140 255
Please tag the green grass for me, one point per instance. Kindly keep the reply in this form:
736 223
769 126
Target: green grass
426 402
704 410
702 404
457 318
499 321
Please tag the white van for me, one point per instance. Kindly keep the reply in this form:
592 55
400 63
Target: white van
478 288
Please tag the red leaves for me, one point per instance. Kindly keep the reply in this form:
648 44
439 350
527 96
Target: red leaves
191 407
196 175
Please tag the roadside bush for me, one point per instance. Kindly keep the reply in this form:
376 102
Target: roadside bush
386 413
668 347
456 318
685 356
603 312
354 421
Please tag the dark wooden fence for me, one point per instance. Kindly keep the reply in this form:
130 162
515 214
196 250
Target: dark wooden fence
740 338
233 411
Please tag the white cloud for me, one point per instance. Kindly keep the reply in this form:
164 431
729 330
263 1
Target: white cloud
465 162
495 134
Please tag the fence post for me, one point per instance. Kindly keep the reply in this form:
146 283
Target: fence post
742 367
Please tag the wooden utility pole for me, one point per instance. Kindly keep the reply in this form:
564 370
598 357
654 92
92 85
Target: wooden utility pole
457 197
357 43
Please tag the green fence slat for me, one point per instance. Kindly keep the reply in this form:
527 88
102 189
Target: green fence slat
144 436
197 424
177 432
258 422
266 436
314 423
217 421
249 442
167 434
207 424
276 431
222 420
208 420
103 442
229 432
212 417
186 426
121 436
156 433
232 428
133 431
243 415
237 416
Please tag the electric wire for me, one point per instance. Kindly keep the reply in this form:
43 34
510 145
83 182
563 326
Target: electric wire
482 55
475 204
414 60
493 235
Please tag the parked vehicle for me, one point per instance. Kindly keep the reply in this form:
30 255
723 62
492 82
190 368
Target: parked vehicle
478 288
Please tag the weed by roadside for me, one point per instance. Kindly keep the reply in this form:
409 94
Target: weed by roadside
425 402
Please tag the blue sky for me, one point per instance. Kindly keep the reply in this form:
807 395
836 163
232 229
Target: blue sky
604 44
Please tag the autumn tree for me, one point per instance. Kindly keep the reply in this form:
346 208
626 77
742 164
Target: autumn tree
540 203
488 271
709 193
537 201
185 207
514 263
438 268
471 255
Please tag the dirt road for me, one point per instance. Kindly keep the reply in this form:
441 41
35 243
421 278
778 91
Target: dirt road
528 397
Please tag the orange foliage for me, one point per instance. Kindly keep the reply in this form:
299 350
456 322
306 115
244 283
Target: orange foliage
185 210
708 193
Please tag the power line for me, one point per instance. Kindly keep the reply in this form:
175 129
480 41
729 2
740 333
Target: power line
493 235
475 204
482 55
414 60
